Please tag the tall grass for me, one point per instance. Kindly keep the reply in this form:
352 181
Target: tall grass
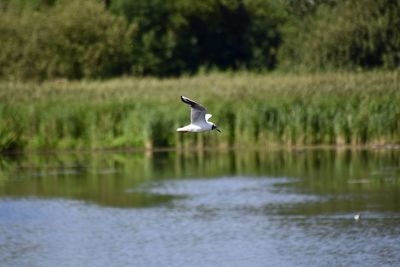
251 109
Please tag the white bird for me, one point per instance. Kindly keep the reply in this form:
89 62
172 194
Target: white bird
357 216
198 118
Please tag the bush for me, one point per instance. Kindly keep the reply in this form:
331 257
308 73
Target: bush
351 34
181 36
70 40
157 41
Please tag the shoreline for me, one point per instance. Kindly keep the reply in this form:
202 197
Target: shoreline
274 148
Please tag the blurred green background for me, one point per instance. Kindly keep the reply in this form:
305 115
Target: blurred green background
42 39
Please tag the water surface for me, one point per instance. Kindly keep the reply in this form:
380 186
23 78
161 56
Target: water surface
234 208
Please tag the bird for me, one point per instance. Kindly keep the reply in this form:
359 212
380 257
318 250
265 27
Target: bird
198 118
357 216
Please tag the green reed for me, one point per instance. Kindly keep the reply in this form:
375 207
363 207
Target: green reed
251 109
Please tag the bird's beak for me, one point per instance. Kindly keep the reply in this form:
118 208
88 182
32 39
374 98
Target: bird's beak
218 130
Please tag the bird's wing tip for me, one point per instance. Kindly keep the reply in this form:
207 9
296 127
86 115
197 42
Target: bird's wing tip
187 100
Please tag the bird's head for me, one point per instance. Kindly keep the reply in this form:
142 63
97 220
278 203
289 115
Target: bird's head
215 127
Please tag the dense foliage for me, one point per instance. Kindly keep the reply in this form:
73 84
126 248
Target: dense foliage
47 39
345 34
72 40
176 36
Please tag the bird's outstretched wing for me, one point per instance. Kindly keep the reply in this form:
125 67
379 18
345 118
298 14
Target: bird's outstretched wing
198 112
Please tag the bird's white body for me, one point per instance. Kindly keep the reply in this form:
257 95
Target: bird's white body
193 128
198 118
197 127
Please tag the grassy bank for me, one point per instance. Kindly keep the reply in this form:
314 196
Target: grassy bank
251 110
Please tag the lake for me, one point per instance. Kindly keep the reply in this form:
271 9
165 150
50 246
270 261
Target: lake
201 208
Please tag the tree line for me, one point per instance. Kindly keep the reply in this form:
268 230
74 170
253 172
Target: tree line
49 39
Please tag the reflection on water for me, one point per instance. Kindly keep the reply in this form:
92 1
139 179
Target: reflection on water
209 208
369 178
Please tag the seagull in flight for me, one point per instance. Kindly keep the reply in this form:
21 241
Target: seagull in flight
198 118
